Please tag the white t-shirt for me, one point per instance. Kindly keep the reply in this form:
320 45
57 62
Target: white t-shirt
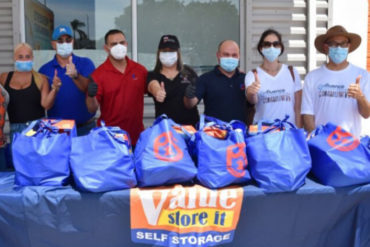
325 96
276 94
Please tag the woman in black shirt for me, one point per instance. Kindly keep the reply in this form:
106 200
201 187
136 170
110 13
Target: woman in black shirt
168 81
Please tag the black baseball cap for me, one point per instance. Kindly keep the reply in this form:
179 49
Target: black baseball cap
169 41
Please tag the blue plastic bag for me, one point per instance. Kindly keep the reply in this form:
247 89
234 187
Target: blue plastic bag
161 155
338 158
279 157
221 155
103 160
41 157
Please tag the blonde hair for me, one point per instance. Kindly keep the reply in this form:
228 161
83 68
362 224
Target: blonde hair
20 45
39 78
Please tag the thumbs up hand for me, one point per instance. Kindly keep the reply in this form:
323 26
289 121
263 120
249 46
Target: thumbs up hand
255 86
57 83
71 69
354 89
160 94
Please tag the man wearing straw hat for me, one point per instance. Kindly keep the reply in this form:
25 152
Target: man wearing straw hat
338 91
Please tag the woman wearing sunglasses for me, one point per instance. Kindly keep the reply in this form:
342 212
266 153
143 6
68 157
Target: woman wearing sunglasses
275 88
168 82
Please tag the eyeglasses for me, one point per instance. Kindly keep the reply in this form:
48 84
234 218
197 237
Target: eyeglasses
336 44
66 40
267 44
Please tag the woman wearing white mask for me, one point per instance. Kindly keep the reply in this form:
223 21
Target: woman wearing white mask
168 81
28 90
275 88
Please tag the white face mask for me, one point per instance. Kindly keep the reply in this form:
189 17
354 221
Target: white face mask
168 58
64 49
118 51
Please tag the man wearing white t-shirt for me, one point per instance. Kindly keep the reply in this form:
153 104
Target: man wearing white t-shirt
337 92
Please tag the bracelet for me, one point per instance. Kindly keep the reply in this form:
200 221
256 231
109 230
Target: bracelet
75 77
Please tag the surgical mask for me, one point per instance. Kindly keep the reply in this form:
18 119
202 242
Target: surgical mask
118 51
271 54
168 58
23 66
338 54
64 49
229 63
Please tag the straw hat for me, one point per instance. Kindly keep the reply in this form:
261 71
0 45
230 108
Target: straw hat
354 39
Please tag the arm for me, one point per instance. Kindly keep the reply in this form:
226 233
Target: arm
91 101
48 96
190 102
252 89
3 78
81 82
354 91
297 108
157 90
309 122
92 104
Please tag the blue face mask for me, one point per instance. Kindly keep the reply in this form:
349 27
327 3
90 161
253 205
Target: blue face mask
271 54
229 63
23 66
338 54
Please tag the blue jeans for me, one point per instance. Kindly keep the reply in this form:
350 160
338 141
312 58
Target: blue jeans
17 128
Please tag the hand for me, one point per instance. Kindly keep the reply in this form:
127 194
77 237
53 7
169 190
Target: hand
160 94
190 91
354 89
92 89
57 83
71 69
255 86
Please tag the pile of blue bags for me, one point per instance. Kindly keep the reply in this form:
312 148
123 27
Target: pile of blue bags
275 155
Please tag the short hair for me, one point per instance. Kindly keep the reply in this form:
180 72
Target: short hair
267 33
20 45
222 42
111 32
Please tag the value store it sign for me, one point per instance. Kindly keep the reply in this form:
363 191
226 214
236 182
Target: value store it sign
184 216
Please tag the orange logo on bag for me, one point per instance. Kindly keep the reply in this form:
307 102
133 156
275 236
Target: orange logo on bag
165 148
342 140
238 157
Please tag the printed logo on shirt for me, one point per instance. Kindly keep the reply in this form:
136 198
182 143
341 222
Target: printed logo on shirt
342 140
134 77
242 87
165 148
272 96
184 216
332 90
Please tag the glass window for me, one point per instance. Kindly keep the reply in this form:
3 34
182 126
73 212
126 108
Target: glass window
89 20
200 26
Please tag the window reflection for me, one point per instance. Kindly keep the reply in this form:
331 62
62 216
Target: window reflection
199 24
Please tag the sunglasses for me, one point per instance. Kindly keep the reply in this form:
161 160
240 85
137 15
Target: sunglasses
335 44
267 44
66 40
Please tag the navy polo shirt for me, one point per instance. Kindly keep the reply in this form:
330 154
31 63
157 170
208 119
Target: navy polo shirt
224 97
70 101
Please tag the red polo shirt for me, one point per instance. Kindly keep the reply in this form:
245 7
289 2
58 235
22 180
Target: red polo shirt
121 96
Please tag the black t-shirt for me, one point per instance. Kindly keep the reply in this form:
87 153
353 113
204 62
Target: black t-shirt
173 105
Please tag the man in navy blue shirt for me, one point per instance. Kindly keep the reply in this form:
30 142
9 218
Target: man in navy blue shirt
72 73
221 89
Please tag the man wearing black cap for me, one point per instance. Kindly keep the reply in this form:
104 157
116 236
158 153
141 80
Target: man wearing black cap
168 82
338 91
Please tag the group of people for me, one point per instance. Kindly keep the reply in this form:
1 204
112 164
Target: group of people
69 86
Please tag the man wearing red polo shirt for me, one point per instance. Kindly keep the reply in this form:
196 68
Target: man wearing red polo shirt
120 87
